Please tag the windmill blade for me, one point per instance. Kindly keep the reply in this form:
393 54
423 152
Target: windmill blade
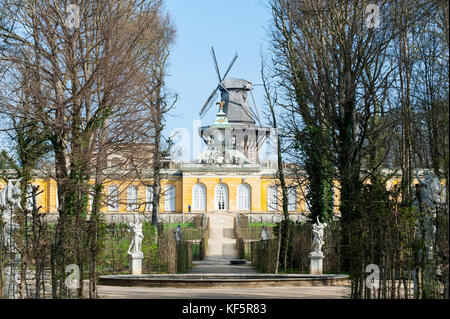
253 114
211 103
256 108
208 100
220 84
215 64
249 112
231 64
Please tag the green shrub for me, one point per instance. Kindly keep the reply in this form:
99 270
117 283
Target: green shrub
161 257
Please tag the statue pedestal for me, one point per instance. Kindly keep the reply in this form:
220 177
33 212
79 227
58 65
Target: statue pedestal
136 263
316 263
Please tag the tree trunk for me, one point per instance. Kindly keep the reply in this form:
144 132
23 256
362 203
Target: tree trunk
156 172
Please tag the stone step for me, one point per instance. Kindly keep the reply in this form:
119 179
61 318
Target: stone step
238 261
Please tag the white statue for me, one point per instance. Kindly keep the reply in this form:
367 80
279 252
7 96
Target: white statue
430 190
428 197
138 236
178 234
318 236
264 234
10 197
10 201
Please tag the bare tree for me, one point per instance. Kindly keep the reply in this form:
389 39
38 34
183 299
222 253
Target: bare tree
283 232
335 72
82 75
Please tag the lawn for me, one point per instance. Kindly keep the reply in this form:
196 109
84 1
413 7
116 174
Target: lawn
183 225
263 224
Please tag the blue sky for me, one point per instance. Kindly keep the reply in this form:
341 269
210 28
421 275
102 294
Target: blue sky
230 26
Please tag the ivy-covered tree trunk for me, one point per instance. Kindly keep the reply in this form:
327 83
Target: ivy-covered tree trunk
313 143
280 175
95 236
156 175
349 177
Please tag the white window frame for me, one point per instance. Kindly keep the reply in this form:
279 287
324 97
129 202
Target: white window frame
30 197
90 201
292 199
169 198
132 198
272 198
56 199
148 198
217 195
199 197
243 197
306 192
113 198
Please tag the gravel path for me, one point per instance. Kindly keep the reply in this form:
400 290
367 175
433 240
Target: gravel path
332 292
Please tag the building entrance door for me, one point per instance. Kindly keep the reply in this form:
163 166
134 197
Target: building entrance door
221 197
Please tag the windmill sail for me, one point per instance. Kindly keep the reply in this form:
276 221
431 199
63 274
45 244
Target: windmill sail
245 137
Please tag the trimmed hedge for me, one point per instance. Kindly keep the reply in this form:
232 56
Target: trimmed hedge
264 255
164 257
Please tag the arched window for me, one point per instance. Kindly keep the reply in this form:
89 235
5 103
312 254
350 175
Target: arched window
243 200
57 199
149 198
306 192
198 197
169 198
30 198
221 197
333 194
292 199
113 198
132 198
272 199
91 200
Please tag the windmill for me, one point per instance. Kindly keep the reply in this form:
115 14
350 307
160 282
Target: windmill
234 94
243 138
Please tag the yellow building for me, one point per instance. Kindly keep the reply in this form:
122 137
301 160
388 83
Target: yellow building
227 176
195 187
205 188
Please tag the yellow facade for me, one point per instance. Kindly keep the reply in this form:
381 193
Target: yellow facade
48 200
258 185
231 183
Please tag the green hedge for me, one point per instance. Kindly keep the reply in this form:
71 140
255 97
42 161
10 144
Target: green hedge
263 256
113 257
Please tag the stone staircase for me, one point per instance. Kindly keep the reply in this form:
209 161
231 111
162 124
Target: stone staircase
221 248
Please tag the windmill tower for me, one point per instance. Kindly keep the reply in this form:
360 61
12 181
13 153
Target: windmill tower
244 136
